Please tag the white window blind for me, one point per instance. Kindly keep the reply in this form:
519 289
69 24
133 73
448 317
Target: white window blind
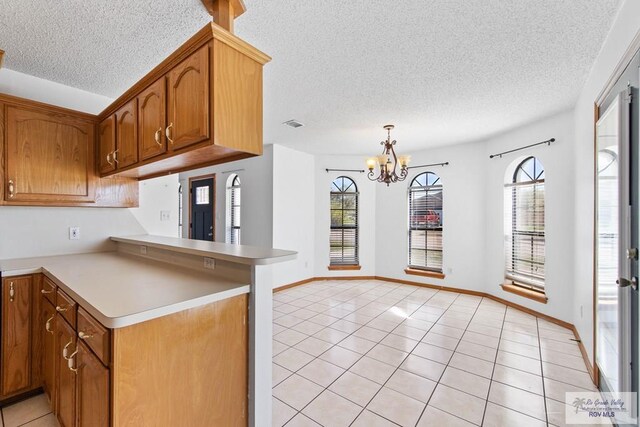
343 237
233 210
524 225
425 222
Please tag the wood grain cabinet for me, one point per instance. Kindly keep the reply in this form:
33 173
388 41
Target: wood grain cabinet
126 153
48 333
151 120
107 144
66 352
188 101
16 334
93 403
49 157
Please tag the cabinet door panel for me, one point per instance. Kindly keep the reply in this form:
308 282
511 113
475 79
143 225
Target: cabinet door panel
48 320
16 334
107 144
188 101
93 389
151 120
66 378
49 157
127 135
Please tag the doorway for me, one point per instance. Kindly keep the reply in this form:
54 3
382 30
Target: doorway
617 226
202 207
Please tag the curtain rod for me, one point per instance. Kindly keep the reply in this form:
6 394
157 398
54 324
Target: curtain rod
426 166
548 142
345 170
235 170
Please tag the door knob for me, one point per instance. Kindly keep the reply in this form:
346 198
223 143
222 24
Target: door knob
632 253
623 283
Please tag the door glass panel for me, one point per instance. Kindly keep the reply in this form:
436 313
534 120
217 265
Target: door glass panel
607 240
202 195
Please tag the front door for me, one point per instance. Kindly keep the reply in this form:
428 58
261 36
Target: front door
617 228
202 208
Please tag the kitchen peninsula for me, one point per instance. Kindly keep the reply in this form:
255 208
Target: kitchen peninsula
160 331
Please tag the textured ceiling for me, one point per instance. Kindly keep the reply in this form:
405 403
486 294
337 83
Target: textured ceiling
442 71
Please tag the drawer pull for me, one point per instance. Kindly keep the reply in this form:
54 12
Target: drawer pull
62 309
84 336
167 132
12 292
158 135
65 350
44 291
47 325
109 159
12 188
71 362
115 157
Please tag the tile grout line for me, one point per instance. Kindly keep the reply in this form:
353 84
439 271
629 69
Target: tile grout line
486 402
544 391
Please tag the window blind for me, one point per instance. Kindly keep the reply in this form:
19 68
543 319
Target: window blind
343 236
525 237
425 223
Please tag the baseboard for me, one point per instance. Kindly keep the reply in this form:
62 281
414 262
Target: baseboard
508 303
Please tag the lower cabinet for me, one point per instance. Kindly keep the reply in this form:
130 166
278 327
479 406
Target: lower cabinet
65 373
48 320
92 385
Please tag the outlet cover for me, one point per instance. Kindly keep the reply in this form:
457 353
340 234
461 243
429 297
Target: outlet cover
209 263
143 250
165 215
74 233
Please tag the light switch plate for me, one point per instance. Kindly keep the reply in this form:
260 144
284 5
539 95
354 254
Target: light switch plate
74 233
209 263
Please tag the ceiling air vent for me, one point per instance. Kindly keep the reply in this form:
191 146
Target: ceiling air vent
293 123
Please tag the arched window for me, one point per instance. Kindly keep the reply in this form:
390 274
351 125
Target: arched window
425 222
343 238
233 210
524 225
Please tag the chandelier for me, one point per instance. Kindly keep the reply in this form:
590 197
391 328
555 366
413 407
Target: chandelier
388 162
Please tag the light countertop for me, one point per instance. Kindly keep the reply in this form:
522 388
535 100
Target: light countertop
121 290
240 254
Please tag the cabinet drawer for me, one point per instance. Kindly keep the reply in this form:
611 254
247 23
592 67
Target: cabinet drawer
49 290
66 307
94 335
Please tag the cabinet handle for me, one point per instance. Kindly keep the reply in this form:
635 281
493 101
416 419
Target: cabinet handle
115 158
65 350
109 159
158 135
168 133
71 362
47 325
12 292
84 336
44 291
61 309
12 188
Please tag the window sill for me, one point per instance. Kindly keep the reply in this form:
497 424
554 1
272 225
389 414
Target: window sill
344 267
509 286
424 273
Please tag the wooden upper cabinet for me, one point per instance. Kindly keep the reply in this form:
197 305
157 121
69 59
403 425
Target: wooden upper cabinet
49 157
126 153
16 334
151 120
188 101
93 389
107 144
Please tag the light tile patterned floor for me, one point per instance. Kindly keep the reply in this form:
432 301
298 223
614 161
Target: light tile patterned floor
32 412
373 353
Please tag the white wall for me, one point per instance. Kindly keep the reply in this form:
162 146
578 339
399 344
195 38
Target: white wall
623 30
256 213
294 209
30 87
158 195
366 214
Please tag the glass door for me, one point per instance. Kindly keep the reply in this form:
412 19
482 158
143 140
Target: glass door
613 235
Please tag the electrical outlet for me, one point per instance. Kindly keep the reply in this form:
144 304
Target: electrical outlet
143 250
209 263
165 215
74 233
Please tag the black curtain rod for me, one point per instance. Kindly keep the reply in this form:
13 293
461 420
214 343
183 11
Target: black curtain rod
548 142
426 166
345 170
